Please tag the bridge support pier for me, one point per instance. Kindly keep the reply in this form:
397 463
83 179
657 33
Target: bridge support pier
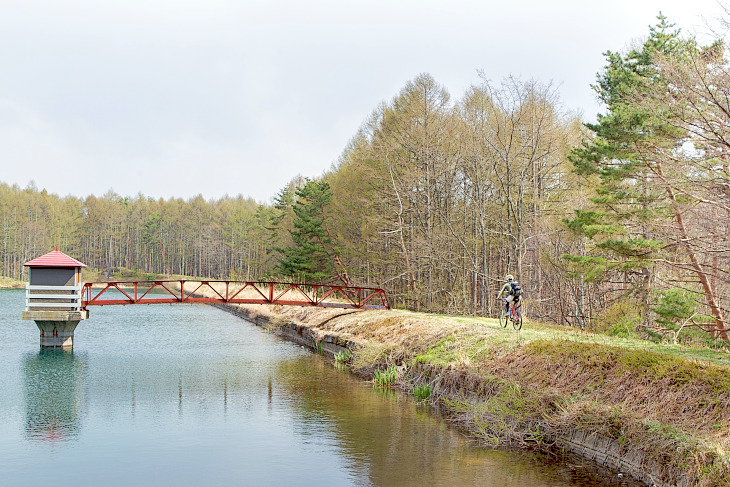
56 327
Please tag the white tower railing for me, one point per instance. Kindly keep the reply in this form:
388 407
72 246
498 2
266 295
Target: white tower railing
68 298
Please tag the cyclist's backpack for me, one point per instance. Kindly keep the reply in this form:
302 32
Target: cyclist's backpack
515 289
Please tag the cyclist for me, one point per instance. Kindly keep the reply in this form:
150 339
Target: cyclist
512 291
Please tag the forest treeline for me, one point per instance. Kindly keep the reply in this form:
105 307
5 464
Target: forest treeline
621 222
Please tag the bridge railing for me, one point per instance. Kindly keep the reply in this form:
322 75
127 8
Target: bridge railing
50 298
235 292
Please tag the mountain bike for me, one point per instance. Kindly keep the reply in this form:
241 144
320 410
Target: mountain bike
514 315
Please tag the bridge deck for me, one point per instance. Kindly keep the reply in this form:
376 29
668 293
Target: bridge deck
242 292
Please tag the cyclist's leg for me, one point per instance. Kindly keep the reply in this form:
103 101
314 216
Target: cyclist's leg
517 321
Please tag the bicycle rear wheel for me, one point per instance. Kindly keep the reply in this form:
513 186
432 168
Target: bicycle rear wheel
517 319
503 318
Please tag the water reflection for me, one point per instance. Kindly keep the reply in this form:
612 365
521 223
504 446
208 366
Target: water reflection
54 407
385 441
389 442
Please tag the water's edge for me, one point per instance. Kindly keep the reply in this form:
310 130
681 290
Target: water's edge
605 452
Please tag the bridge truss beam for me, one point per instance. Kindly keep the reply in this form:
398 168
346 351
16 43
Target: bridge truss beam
235 292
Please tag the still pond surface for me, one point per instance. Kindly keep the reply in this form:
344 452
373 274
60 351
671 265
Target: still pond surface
191 395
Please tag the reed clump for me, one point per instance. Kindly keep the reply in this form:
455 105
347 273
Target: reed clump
385 378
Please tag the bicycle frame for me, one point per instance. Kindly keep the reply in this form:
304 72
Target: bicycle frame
512 309
513 314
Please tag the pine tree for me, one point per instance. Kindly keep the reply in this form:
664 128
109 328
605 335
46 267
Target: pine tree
638 220
627 203
308 258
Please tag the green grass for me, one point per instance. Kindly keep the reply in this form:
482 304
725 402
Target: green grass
385 378
343 357
421 392
509 339
458 349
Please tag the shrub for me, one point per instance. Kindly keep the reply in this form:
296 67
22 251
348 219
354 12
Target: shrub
620 319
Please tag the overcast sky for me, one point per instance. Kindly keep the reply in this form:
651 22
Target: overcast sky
175 98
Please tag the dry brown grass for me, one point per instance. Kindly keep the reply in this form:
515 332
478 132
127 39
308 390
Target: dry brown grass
692 396
9 283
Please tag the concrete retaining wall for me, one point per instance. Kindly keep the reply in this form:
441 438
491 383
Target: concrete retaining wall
607 452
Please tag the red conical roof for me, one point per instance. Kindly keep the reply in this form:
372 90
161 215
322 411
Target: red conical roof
54 259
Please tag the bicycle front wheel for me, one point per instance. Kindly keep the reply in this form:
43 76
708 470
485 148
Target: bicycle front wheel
517 319
503 318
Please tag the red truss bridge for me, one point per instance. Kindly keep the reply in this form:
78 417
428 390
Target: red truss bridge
234 292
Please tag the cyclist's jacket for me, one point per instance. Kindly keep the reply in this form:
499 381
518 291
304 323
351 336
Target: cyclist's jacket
511 288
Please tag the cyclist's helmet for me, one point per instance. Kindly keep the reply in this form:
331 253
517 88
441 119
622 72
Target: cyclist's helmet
509 277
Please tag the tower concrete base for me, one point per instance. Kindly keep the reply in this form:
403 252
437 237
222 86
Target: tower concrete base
56 327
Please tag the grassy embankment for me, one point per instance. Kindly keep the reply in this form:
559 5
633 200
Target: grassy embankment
9 283
660 412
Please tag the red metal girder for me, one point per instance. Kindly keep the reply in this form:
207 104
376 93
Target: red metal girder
278 300
163 286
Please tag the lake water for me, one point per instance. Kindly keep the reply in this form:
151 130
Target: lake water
191 395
